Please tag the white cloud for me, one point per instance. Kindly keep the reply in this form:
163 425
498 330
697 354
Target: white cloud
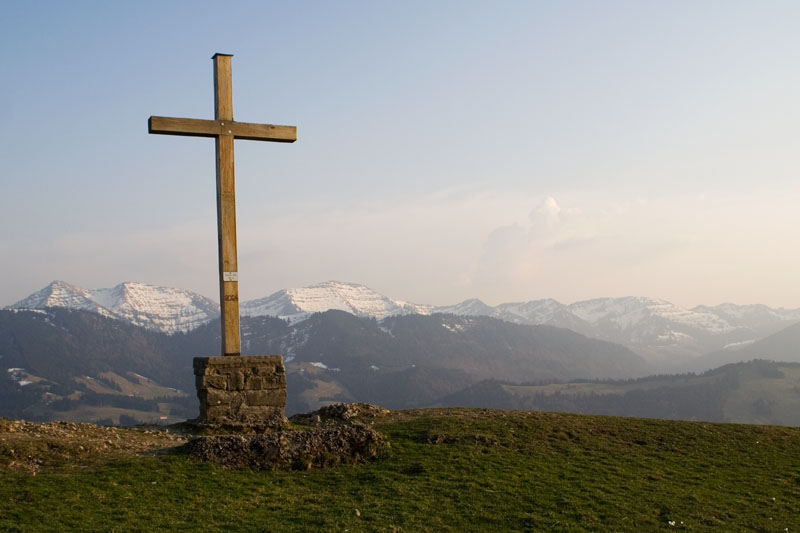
497 245
690 249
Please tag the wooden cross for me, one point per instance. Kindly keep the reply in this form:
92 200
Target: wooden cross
224 130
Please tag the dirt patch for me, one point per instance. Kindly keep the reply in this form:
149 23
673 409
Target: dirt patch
291 449
340 434
31 447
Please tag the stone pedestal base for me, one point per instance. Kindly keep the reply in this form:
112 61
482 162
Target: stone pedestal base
241 393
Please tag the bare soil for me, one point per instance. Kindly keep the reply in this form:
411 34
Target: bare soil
33 447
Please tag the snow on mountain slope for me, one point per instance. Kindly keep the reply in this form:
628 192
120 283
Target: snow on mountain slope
162 308
62 294
751 314
657 329
624 313
472 307
547 312
298 304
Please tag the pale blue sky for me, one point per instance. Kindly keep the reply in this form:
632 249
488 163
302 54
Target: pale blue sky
447 150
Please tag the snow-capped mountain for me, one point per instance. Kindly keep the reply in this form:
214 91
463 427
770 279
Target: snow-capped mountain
656 329
170 310
548 312
298 304
62 294
751 315
162 308
472 307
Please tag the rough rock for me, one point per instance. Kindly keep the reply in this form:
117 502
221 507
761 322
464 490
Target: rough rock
340 413
241 393
291 449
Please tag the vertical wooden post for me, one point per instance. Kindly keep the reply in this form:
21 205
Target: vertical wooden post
224 130
226 208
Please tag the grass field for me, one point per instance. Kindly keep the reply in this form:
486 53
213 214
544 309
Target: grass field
448 470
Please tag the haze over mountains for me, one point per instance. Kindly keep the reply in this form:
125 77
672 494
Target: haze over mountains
82 364
79 354
661 332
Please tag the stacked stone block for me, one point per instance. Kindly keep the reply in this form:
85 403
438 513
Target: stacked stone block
241 392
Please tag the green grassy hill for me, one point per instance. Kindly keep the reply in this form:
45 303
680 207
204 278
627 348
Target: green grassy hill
448 470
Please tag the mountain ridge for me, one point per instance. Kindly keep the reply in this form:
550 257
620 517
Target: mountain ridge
69 363
165 309
297 304
657 329
57 359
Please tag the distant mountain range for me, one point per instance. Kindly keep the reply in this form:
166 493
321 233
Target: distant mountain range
663 333
67 364
80 364
161 308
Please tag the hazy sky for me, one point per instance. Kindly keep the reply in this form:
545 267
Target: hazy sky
447 150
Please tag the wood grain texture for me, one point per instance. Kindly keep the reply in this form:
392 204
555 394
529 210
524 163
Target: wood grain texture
226 206
262 132
228 257
194 127
224 130
223 87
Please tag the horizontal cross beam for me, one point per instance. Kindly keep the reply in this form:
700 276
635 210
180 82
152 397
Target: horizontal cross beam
218 128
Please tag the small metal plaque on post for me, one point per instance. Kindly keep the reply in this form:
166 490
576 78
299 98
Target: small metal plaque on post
230 276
